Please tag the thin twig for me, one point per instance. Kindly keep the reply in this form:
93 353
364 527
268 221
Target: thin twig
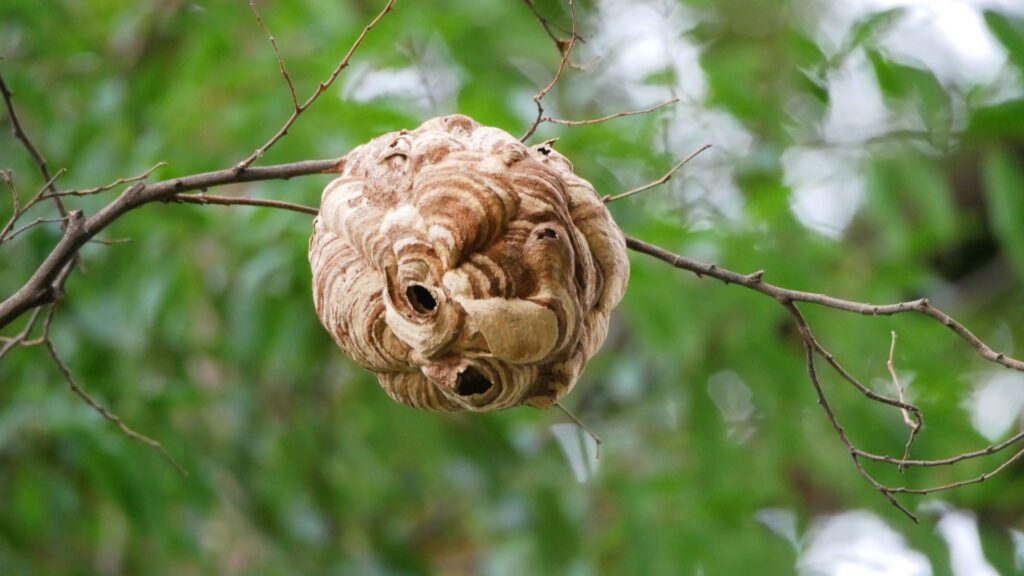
583 426
31 225
890 365
548 25
668 176
280 60
788 299
110 241
953 485
28 206
755 281
986 451
320 89
114 184
18 339
205 199
833 362
37 156
812 374
564 122
79 230
539 96
107 414
913 423
8 179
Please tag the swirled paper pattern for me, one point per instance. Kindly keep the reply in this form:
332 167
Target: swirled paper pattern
465 269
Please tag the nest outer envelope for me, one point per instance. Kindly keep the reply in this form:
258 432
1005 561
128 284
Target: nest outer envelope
465 269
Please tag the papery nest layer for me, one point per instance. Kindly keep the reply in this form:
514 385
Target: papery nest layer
465 269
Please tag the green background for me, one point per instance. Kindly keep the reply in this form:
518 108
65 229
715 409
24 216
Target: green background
201 333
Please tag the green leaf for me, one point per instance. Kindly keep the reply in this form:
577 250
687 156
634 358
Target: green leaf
999 121
1010 32
874 24
1004 183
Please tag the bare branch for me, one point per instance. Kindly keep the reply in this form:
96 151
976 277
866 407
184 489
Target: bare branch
107 414
110 241
566 53
38 290
755 282
19 212
31 225
114 184
668 176
37 156
320 89
280 60
953 485
564 122
986 451
8 179
206 199
788 299
548 26
809 352
18 339
890 365
584 427
914 423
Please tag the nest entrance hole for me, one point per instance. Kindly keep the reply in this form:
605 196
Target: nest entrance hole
471 381
421 299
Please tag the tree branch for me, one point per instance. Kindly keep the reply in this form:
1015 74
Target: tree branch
107 414
320 89
668 176
37 156
788 299
207 199
280 60
603 119
538 98
38 289
46 284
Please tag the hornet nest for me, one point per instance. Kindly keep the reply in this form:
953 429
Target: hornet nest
468 271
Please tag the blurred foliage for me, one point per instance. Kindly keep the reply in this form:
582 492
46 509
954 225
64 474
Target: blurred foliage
201 333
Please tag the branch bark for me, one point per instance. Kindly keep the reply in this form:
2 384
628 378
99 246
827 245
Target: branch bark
39 289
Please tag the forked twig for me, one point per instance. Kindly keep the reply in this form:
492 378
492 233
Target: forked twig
788 299
538 98
19 211
46 285
9 342
548 26
24 227
320 89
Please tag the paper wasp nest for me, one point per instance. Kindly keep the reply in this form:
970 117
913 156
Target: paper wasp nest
468 271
